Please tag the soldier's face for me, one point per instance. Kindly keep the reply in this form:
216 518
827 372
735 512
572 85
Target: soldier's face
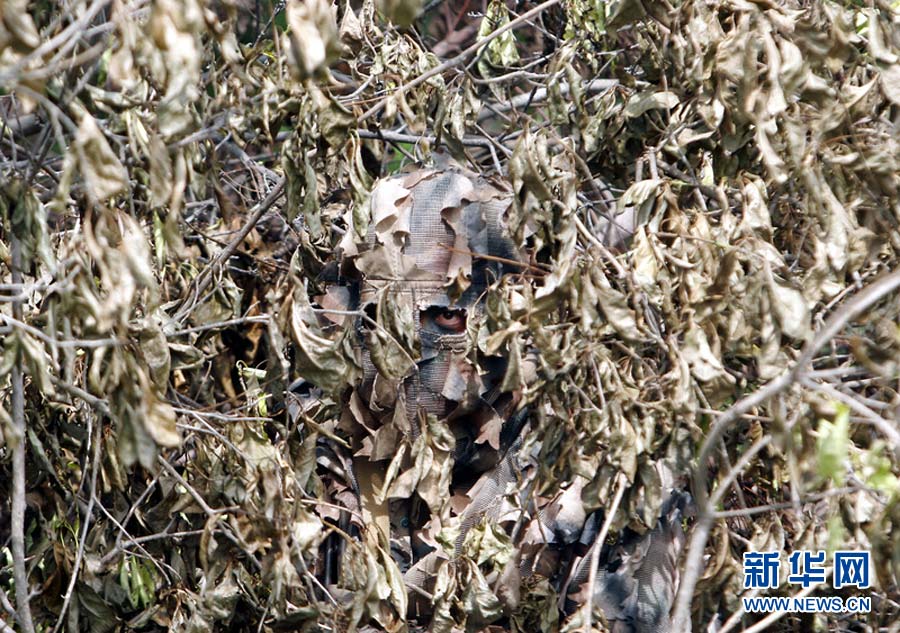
430 253
444 379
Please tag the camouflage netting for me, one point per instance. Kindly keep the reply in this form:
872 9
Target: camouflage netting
709 190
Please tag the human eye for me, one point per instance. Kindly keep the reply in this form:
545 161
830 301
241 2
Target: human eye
451 321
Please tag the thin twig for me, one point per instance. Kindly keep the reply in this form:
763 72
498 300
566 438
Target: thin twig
595 553
4 602
136 541
459 59
397 137
590 237
540 95
88 515
134 506
262 318
204 279
736 470
502 260
773 507
870 295
221 416
85 343
17 523
190 489
98 403
65 38
870 416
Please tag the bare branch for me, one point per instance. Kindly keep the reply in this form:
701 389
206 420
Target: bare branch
17 527
205 278
870 295
88 515
459 59
595 551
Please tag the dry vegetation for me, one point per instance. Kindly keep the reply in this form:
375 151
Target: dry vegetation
174 175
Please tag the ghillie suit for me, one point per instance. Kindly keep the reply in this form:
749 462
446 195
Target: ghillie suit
433 464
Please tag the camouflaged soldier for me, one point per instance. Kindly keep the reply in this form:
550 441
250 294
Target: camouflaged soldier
434 442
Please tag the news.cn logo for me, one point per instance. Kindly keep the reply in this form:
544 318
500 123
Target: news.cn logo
762 570
851 569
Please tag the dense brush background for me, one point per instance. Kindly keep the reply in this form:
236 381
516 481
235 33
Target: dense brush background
175 174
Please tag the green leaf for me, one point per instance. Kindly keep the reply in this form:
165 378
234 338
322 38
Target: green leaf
400 12
877 470
501 51
833 445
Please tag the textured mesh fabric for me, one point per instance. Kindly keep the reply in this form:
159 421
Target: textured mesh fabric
436 240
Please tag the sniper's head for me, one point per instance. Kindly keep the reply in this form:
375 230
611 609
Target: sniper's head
430 244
